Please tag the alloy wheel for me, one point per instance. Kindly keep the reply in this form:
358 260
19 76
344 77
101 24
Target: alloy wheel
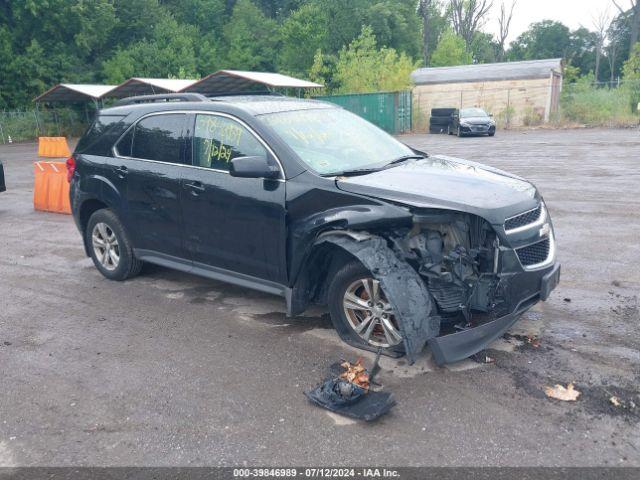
105 246
370 314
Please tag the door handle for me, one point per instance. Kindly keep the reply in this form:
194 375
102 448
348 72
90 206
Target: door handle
195 187
121 171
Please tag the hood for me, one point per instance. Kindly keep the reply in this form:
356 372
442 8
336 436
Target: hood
448 183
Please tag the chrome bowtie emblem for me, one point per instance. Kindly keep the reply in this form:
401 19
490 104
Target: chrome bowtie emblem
545 230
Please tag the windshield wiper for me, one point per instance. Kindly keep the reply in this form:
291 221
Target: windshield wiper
404 158
364 171
355 171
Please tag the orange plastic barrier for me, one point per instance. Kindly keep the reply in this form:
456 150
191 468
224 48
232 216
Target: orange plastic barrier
50 188
53 147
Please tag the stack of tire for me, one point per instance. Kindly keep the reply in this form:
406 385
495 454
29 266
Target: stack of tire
440 119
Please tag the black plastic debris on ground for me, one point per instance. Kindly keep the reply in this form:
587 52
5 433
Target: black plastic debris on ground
346 398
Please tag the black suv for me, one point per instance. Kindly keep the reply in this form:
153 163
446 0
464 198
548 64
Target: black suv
303 199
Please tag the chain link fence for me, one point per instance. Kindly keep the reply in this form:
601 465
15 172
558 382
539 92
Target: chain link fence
20 126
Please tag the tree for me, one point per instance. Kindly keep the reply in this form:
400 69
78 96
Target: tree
633 15
468 16
545 39
451 50
170 52
483 48
303 33
425 9
250 38
581 50
601 24
504 24
362 67
631 77
434 22
395 25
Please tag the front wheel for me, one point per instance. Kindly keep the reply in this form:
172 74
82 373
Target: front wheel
110 246
360 310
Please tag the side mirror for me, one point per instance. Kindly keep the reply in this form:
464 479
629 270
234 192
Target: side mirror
253 167
491 115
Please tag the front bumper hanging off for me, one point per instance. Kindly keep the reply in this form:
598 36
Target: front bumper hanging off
458 346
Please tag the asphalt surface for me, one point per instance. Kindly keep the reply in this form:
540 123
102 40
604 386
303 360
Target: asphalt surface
172 369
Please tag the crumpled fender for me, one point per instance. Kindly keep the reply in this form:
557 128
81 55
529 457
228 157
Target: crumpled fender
405 290
354 217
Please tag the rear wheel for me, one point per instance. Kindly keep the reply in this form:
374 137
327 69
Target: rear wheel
110 246
360 309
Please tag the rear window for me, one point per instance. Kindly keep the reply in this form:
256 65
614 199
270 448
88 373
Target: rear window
159 138
100 136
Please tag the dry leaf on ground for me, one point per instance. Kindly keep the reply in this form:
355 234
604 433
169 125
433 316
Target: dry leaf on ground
355 373
568 394
615 401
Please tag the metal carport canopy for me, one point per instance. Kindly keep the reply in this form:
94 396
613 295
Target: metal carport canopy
238 81
148 86
72 92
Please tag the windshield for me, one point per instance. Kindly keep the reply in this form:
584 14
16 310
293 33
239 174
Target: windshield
332 140
472 112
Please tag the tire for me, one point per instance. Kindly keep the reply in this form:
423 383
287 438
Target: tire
442 112
441 121
385 332
105 226
492 134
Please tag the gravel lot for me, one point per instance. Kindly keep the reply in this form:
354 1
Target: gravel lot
172 369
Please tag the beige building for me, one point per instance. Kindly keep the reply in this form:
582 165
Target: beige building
516 93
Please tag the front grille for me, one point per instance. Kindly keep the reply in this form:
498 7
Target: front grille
535 253
523 219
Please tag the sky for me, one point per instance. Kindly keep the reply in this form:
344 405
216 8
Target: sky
573 13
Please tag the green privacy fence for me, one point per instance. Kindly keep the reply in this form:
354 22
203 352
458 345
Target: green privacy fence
390 111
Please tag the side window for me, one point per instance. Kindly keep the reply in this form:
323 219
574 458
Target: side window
159 137
123 147
218 140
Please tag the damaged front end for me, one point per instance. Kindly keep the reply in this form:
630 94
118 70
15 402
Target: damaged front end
454 280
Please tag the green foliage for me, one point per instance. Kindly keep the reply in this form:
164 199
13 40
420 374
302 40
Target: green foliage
169 51
395 25
584 103
362 67
44 42
303 33
451 50
546 39
631 78
250 38
483 48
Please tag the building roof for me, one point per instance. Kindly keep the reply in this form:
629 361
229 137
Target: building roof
238 81
487 72
149 86
72 92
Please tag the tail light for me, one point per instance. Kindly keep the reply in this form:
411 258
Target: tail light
71 168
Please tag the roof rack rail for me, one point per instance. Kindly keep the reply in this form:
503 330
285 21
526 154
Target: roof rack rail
167 97
210 95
